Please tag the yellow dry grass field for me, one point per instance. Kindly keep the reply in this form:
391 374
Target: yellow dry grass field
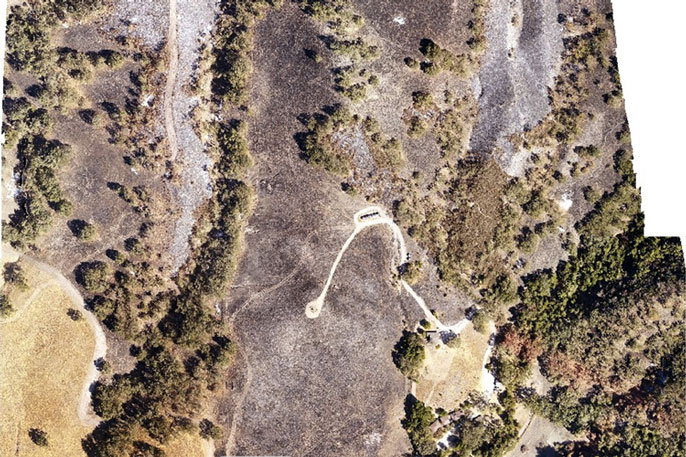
186 445
44 356
449 374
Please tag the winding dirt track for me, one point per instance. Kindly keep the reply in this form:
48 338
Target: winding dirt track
368 217
172 70
85 416
374 215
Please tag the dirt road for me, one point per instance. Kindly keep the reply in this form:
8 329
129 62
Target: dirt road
369 217
172 70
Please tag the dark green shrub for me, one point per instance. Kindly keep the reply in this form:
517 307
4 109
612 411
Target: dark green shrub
210 430
13 274
83 230
537 204
74 314
6 307
93 276
409 354
39 437
418 418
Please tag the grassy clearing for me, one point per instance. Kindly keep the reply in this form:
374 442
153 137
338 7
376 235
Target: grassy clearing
44 358
184 445
449 374
535 431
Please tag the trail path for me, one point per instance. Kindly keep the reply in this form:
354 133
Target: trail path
85 416
238 407
374 215
172 70
487 383
208 447
18 315
369 217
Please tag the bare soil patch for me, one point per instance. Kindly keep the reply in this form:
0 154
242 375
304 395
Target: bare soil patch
145 20
538 436
524 45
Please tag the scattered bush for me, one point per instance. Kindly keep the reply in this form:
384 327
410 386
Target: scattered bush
624 135
412 63
14 275
91 117
355 49
422 100
537 204
39 437
356 93
116 256
39 161
209 430
83 230
454 343
74 314
417 127
528 240
22 118
28 39
587 152
316 144
103 366
134 246
75 63
314 55
411 272
438 59
352 82
591 194
480 322
6 307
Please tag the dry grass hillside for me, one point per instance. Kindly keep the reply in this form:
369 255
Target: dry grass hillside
44 358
